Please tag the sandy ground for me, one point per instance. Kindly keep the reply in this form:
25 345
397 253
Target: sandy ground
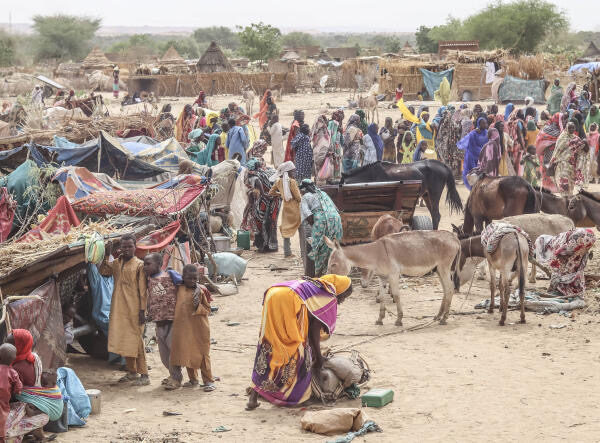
467 381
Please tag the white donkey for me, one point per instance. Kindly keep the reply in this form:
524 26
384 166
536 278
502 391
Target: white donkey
413 253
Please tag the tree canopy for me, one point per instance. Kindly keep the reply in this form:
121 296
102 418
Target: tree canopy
260 41
225 37
521 25
7 49
186 47
63 36
297 39
424 42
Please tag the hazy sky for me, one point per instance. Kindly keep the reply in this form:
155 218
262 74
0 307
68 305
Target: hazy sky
319 15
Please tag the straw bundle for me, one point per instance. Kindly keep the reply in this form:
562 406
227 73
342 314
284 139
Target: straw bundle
14 255
528 67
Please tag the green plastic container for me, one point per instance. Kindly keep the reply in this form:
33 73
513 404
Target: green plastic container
377 398
243 239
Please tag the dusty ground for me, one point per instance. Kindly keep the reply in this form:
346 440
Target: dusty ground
468 381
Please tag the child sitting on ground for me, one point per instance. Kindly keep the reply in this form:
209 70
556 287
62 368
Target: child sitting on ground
10 383
531 166
190 345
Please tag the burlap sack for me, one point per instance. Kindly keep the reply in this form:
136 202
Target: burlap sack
333 421
344 369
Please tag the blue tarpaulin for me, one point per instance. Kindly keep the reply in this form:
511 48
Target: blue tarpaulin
516 89
591 66
433 80
115 160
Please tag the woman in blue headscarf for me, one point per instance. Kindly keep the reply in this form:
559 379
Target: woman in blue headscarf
208 155
509 109
472 144
372 132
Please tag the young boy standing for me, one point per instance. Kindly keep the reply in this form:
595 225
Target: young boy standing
191 332
162 297
127 310
531 166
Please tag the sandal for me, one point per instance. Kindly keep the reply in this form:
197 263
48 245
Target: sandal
164 381
209 387
171 385
142 381
191 384
128 377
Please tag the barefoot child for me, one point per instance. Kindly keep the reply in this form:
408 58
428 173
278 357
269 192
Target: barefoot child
10 384
162 297
191 332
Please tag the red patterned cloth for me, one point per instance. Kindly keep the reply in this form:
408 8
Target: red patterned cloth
58 221
7 213
157 240
140 202
43 318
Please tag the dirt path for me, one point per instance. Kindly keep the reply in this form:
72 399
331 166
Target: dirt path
468 381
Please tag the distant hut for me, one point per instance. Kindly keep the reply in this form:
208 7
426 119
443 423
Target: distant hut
408 49
290 56
591 54
323 55
96 60
213 60
173 61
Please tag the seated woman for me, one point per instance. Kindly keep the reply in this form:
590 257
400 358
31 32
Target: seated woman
23 420
289 356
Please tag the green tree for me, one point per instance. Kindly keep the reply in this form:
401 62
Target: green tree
298 39
260 41
187 47
138 46
223 35
521 26
424 42
63 36
7 49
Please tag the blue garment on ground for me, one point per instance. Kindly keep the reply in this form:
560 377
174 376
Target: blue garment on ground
472 143
237 142
101 288
228 263
74 394
433 80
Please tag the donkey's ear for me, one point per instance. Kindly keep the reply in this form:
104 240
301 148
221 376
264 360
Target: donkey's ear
337 243
329 243
405 228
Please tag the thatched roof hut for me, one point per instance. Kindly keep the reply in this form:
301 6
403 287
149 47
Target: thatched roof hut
96 60
174 62
213 60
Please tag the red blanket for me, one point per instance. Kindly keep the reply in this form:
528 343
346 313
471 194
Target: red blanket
7 213
58 221
141 202
157 240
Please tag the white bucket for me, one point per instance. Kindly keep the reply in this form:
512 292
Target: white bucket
95 396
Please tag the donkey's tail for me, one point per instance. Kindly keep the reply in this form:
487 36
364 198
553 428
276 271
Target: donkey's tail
455 268
452 198
521 270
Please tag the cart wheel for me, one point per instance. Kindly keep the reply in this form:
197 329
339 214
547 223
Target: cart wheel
422 223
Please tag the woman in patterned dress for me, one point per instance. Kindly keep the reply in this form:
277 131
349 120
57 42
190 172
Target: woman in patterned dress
303 158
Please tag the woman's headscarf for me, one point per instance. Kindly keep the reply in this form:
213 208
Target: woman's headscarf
529 101
417 154
377 141
341 283
481 120
531 126
194 134
282 171
509 109
338 116
258 149
353 120
592 118
362 124
24 345
567 96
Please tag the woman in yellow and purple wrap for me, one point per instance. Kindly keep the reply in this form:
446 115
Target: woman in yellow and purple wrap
288 353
